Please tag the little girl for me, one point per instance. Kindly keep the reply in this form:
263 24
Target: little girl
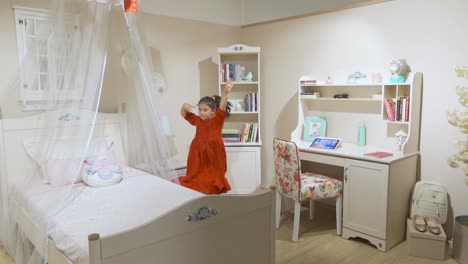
206 163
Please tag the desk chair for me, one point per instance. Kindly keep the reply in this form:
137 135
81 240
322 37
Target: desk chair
300 186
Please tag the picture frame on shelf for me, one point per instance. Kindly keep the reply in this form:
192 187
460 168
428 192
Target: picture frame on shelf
315 126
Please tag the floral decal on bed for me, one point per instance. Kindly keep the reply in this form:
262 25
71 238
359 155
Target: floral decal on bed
201 214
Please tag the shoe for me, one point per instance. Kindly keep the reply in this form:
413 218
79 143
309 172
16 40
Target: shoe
433 225
420 224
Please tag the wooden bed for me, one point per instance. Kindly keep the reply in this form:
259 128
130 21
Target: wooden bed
237 228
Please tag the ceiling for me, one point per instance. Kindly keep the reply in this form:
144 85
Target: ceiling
245 12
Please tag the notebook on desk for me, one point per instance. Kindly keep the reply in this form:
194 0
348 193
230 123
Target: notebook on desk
379 154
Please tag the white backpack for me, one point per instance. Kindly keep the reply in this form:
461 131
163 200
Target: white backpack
429 199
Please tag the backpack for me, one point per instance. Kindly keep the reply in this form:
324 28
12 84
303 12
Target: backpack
429 199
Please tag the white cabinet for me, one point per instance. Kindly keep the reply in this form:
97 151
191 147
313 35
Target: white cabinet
365 197
243 172
242 130
376 200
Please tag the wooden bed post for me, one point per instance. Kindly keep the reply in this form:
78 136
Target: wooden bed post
94 249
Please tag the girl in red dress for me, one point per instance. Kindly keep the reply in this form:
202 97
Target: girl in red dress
206 163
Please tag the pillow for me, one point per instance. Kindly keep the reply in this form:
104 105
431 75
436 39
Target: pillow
61 171
64 149
102 171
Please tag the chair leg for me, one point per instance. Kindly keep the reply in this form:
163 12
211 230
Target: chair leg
339 215
278 209
311 209
297 216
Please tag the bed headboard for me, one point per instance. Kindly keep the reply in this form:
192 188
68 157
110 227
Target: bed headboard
15 163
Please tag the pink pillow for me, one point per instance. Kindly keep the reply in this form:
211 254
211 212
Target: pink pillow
61 172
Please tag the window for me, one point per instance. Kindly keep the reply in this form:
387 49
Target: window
32 31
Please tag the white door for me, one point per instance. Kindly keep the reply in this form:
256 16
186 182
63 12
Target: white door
365 197
243 169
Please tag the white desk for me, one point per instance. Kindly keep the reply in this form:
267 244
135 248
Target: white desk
377 191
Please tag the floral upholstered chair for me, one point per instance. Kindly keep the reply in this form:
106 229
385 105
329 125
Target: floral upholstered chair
300 186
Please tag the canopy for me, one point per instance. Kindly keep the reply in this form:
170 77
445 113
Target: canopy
65 66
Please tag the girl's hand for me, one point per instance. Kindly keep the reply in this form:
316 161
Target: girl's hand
228 87
186 108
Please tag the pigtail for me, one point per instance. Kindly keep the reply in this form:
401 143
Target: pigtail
217 100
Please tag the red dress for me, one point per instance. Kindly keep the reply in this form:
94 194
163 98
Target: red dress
206 163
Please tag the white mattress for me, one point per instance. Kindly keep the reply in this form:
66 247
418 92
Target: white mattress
138 199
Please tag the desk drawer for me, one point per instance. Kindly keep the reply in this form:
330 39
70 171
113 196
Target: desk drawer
320 158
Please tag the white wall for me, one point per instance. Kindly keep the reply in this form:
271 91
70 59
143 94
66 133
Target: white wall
429 34
227 12
265 10
8 51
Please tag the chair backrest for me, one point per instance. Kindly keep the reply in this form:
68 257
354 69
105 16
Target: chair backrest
287 168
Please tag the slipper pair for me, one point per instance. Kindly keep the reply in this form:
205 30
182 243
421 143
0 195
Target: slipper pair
422 224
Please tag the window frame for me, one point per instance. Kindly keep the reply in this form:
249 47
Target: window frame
32 99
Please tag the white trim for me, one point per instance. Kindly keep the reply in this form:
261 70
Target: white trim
28 9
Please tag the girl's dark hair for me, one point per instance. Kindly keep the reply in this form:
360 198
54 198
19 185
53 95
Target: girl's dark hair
214 101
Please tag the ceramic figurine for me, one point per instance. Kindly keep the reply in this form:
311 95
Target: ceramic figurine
399 69
248 77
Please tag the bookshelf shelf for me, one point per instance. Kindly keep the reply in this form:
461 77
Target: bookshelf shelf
342 85
244 113
240 83
308 97
243 157
243 144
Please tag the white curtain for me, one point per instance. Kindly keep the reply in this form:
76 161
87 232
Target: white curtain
75 49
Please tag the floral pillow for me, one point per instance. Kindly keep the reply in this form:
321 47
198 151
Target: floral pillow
102 171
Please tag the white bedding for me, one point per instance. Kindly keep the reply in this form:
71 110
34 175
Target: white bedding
138 199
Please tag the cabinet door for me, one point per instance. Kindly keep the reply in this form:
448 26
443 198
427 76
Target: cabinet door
365 197
243 169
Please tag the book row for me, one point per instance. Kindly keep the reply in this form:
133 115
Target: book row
248 133
232 71
398 109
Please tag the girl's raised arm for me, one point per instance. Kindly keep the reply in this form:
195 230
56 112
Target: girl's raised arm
226 91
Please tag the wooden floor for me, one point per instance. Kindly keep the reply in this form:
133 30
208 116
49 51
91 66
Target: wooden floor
4 258
318 243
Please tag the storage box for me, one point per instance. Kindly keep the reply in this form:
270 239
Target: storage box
426 245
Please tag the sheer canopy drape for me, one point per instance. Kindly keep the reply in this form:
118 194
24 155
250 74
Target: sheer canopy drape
73 55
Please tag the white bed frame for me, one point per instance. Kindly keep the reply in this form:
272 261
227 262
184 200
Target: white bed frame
242 230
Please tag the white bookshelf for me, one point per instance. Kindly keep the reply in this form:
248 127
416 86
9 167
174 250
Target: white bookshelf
244 160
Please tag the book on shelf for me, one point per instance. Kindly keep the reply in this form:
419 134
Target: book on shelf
379 154
230 135
389 108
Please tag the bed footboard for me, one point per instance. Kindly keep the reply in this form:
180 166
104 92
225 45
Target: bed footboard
228 229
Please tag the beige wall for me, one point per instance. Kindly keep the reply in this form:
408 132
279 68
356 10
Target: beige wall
226 12
186 49
8 51
429 34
